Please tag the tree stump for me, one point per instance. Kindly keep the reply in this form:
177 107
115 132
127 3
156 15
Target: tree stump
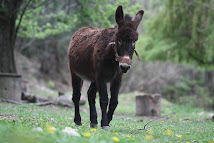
148 105
10 86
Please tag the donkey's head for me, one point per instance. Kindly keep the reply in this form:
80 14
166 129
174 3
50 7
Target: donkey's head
126 36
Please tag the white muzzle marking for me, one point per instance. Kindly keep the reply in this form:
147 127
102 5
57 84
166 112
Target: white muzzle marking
124 65
126 57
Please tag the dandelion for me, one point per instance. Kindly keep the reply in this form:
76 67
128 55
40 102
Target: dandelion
116 133
188 133
179 136
187 142
180 119
87 134
148 137
93 129
169 132
116 139
128 136
149 132
21 118
50 129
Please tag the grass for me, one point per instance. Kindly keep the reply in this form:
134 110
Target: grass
17 124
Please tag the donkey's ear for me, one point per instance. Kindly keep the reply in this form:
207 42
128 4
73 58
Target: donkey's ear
138 17
119 15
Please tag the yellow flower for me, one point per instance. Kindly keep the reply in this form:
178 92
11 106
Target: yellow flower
149 132
116 133
87 134
161 123
190 121
187 142
179 136
21 118
169 132
93 129
180 119
128 136
116 139
148 137
135 120
188 133
50 129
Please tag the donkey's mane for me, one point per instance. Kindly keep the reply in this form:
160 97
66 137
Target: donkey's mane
128 17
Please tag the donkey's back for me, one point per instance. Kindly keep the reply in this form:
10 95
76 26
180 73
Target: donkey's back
81 50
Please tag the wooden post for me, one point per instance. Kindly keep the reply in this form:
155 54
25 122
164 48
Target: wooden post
148 105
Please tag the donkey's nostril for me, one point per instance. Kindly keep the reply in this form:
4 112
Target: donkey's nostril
124 67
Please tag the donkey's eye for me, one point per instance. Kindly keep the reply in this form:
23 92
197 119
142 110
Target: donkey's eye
119 41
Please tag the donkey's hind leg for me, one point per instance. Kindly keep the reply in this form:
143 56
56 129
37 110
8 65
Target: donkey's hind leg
91 99
77 85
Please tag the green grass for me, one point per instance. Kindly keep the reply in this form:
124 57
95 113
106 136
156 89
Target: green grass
18 121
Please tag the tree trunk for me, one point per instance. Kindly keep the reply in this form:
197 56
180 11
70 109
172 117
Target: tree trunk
148 105
8 16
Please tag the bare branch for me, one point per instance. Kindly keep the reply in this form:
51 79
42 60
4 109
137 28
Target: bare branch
144 128
20 19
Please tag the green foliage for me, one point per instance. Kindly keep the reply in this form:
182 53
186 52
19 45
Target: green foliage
100 13
41 21
182 31
51 19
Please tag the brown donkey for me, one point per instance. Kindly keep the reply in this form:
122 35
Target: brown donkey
101 56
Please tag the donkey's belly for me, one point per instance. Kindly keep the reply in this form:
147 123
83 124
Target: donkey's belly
83 68
87 76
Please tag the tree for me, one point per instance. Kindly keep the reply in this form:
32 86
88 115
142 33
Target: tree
183 32
8 31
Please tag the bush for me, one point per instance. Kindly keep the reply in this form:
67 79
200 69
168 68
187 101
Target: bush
51 84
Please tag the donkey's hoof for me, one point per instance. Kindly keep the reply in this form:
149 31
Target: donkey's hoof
78 124
107 128
92 125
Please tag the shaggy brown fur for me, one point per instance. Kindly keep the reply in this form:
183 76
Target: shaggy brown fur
92 57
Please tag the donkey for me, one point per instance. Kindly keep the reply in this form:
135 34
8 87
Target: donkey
101 56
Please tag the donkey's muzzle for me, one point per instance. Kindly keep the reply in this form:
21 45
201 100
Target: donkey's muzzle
124 67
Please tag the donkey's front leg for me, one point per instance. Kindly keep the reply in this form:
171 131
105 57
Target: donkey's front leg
102 89
115 87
